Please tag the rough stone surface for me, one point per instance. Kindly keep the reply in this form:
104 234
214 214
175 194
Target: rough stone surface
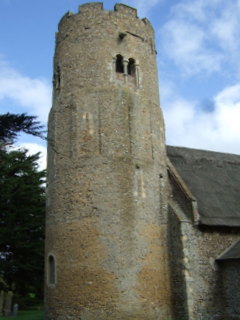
129 235
106 210
202 287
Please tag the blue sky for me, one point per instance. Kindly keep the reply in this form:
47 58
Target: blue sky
198 44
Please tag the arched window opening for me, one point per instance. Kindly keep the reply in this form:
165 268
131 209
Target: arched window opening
51 270
131 67
119 64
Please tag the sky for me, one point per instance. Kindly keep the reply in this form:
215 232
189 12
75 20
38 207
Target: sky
198 45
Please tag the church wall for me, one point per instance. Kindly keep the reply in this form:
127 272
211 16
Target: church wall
229 278
211 282
209 289
202 288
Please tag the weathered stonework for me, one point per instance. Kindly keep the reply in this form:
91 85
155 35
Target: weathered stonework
200 285
131 235
106 211
203 287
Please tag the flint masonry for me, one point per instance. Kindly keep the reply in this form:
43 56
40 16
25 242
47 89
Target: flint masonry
106 221
125 237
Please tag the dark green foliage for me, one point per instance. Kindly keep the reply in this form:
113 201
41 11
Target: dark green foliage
22 202
22 208
12 124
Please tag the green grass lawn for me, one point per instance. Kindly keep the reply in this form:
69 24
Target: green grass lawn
26 315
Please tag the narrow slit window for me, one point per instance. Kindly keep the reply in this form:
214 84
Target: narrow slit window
57 77
119 64
131 67
51 270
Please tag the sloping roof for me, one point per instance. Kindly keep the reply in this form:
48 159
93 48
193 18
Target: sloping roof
233 252
214 180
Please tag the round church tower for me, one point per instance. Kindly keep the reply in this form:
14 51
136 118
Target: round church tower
106 251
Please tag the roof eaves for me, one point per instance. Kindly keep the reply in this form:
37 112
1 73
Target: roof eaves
186 191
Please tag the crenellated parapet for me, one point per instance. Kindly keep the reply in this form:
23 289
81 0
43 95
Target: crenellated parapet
125 10
98 6
93 8
90 7
108 36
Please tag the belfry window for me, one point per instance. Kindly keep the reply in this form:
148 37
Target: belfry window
125 70
119 64
51 270
131 67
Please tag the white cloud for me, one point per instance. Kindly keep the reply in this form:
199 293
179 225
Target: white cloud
202 35
226 28
184 43
228 112
33 95
196 10
219 130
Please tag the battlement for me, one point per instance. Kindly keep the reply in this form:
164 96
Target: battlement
124 9
90 7
95 8
66 16
98 6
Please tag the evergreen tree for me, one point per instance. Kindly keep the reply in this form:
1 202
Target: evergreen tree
11 124
22 207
